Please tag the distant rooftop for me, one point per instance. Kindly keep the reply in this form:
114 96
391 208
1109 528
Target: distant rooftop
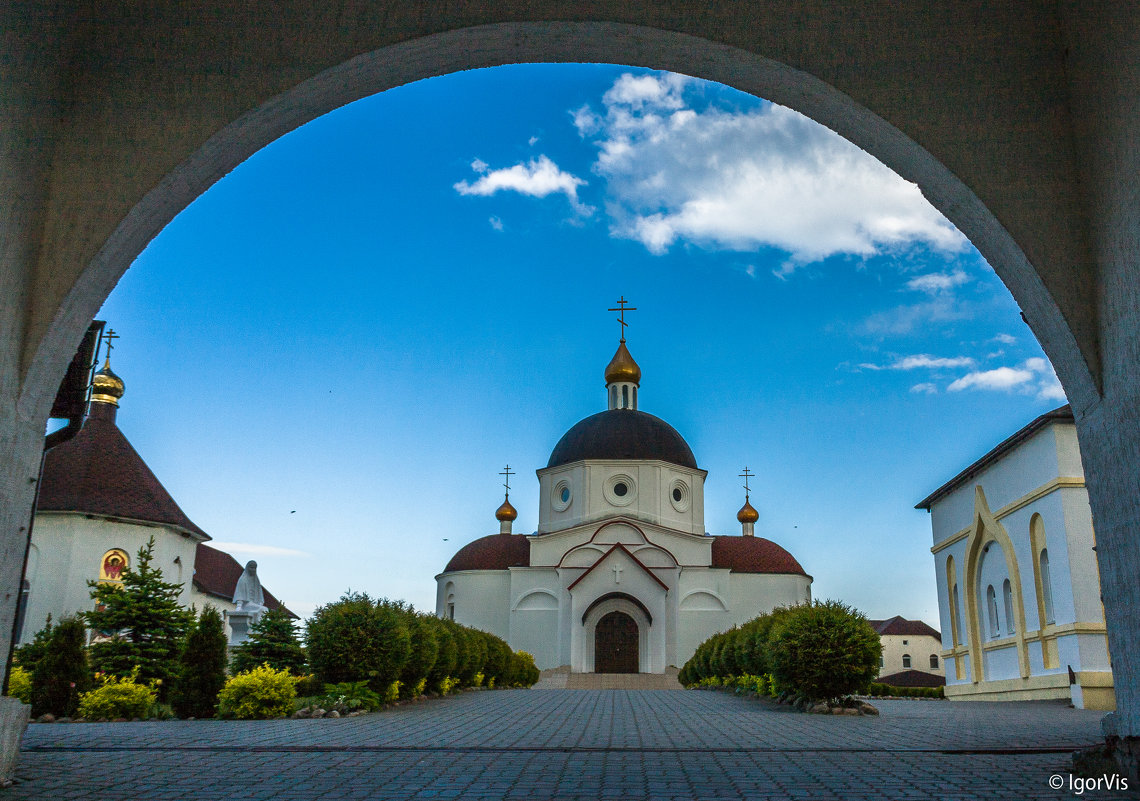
900 625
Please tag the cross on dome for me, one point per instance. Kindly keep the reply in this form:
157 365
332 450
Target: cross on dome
746 475
622 308
506 472
110 338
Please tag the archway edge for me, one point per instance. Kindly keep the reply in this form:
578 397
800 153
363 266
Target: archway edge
47 347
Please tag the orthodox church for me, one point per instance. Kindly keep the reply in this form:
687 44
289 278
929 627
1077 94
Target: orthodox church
620 576
98 504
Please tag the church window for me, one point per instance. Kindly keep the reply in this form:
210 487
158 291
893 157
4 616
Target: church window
934 661
677 494
565 494
906 660
991 607
1047 587
613 397
882 662
451 611
625 397
1007 597
635 397
620 489
955 617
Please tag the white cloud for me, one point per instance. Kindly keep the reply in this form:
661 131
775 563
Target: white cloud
1005 339
923 360
934 283
255 549
537 178
496 223
1034 376
906 318
743 180
925 389
532 141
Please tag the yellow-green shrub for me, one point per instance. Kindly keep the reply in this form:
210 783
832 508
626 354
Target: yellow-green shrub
20 684
117 698
258 694
447 684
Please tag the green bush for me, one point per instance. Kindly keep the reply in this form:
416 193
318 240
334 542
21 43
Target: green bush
349 697
475 657
358 639
117 697
258 694
272 641
202 667
447 652
20 684
522 672
824 650
309 686
422 654
498 663
61 674
29 654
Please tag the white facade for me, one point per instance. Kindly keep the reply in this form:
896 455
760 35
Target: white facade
617 535
1018 585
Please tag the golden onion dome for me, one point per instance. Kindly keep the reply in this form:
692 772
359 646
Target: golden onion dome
107 387
747 514
622 368
506 512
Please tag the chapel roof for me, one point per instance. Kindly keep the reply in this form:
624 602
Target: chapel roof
493 552
753 555
900 625
216 573
98 472
624 434
1063 414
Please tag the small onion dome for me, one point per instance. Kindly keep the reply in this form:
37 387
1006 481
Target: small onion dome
622 368
747 514
506 512
107 387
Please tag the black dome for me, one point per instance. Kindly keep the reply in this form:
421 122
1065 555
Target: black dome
622 434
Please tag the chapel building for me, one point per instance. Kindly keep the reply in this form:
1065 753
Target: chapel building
620 576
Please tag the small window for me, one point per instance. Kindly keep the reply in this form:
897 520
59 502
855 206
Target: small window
677 494
620 489
565 494
1047 587
906 660
934 661
905 642
991 607
451 611
882 662
625 397
1007 598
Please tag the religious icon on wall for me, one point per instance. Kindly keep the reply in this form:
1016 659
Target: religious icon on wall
115 561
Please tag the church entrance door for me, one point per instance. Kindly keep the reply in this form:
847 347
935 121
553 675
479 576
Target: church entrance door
615 644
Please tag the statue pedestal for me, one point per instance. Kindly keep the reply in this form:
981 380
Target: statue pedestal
240 623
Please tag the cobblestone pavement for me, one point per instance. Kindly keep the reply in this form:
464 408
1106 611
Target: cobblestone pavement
552 744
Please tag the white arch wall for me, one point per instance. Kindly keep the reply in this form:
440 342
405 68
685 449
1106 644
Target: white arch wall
113 125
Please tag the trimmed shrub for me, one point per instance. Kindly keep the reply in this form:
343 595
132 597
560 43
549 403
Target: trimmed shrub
309 686
20 684
61 674
523 672
350 697
30 654
498 663
422 654
824 650
358 639
475 657
445 660
272 641
202 667
258 694
118 697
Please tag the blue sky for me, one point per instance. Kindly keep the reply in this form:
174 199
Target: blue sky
332 353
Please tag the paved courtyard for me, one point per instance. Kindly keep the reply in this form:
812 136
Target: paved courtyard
565 744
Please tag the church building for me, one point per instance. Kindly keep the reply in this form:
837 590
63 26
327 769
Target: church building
620 576
98 504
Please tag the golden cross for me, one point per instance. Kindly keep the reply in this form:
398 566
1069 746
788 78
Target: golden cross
507 473
623 308
746 475
110 337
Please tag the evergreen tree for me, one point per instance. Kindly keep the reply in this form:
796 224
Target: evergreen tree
61 674
273 641
29 654
201 667
145 621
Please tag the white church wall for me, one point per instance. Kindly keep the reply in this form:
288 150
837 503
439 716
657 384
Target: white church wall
1081 560
482 600
201 600
71 548
1001 663
534 621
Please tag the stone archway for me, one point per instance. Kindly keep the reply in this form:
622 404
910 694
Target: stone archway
117 122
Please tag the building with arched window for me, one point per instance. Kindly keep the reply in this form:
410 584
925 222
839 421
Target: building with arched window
911 655
620 576
1018 583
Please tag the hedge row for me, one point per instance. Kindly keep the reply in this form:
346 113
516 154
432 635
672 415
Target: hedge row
821 650
879 689
382 642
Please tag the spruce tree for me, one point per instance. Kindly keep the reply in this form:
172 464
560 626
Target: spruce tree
61 673
29 654
145 622
201 667
273 641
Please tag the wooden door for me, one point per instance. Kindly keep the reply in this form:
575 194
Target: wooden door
615 644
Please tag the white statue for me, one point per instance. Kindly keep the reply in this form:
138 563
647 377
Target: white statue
248 595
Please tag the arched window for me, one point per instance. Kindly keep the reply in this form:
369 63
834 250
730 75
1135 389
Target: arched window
1047 587
991 607
956 617
635 397
906 660
1007 597
625 397
934 661
613 396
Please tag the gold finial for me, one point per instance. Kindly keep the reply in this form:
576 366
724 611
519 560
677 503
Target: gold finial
747 514
506 513
106 387
622 309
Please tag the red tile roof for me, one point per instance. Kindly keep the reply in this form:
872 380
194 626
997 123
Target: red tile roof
753 555
900 625
98 472
493 552
913 678
217 573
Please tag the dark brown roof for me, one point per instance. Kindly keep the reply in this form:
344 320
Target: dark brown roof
900 625
98 472
493 552
1063 414
753 555
622 434
217 573
913 678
